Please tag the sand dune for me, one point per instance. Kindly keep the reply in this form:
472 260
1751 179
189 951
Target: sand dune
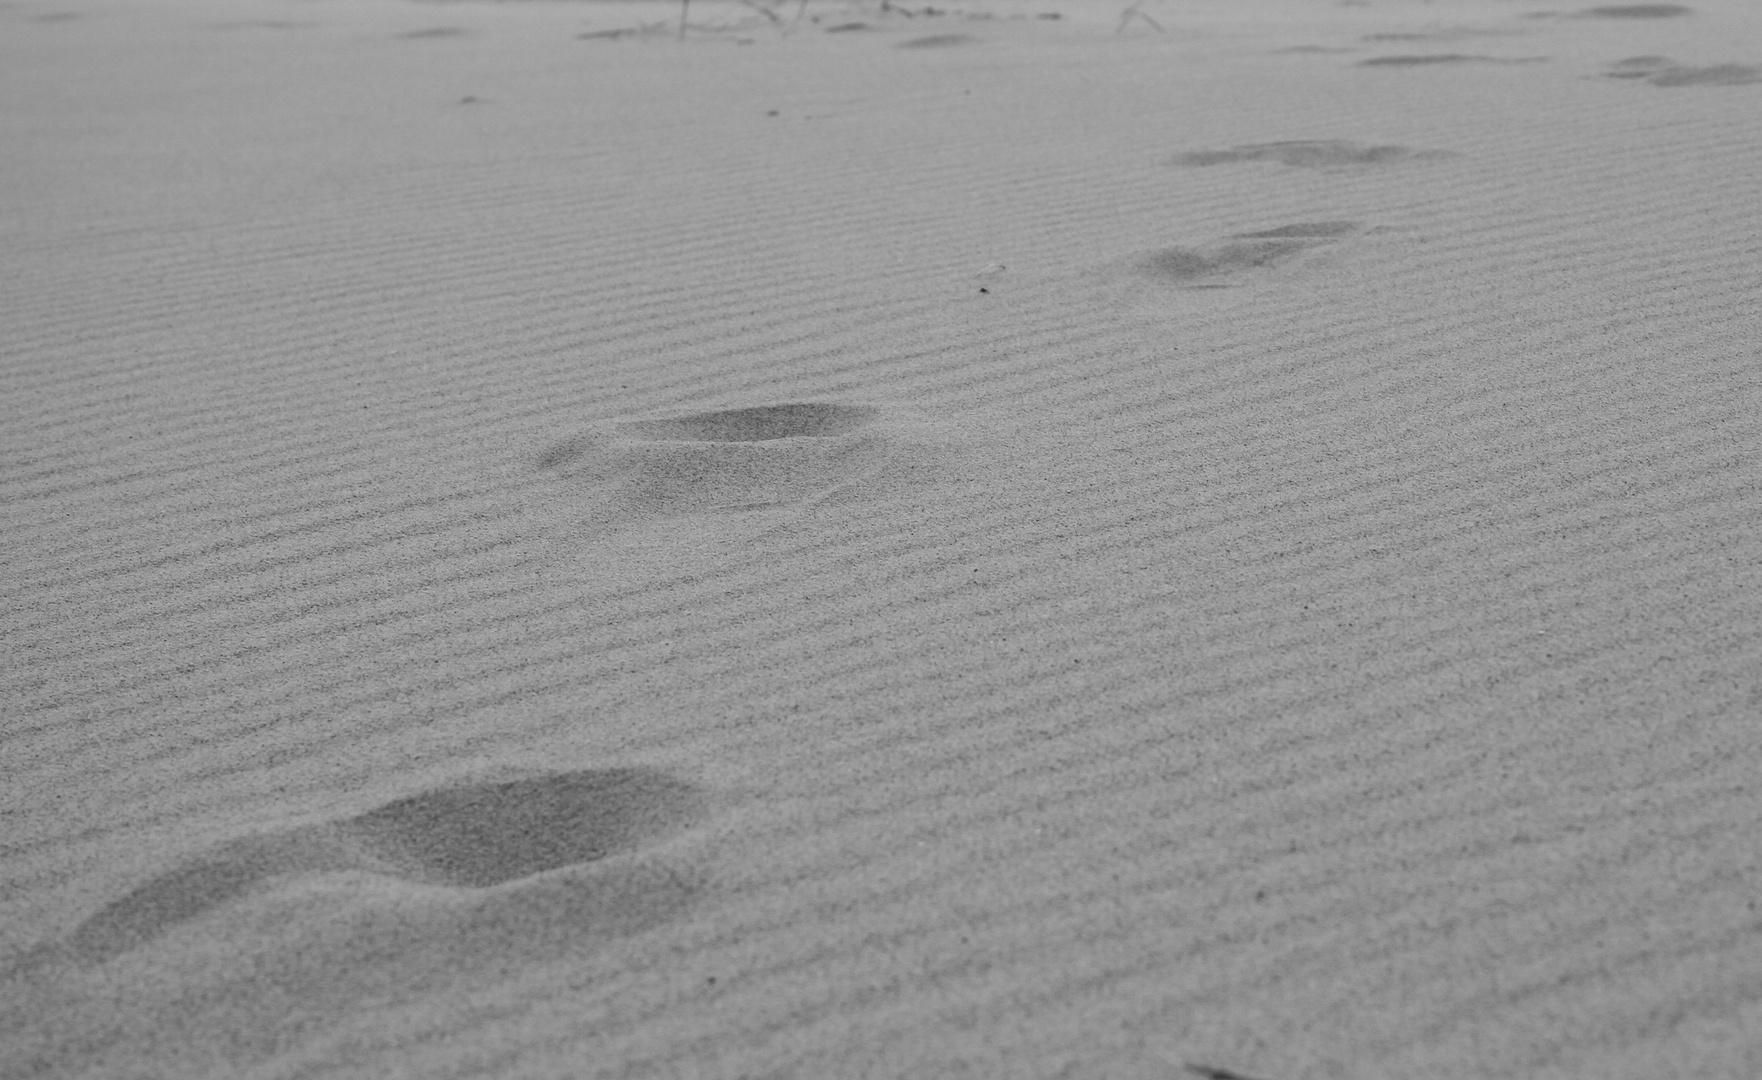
1017 539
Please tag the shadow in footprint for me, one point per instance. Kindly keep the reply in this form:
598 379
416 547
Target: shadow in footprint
471 837
490 834
1304 154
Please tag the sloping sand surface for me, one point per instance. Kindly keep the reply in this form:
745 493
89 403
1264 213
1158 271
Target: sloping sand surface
1029 539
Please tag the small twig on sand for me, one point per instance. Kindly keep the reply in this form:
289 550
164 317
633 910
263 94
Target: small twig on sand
763 10
1135 8
683 5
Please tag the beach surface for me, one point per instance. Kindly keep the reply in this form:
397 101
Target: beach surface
1026 538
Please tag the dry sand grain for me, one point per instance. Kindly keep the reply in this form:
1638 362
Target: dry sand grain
881 542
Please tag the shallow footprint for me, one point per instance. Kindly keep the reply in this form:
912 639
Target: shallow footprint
1636 11
1212 268
1661 71
937 41
1306 154
733 474
1205 268
1304 230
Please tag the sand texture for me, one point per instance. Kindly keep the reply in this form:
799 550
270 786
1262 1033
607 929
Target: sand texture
1029 538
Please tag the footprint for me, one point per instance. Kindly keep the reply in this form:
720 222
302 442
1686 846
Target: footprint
472 837
264 24
1638 67
1304 154
484 835
1636 11
1306 230
1446 58
1661 71
1455 33
1206 268
274 941
739 469
1717 75
1417 61
1184 266
764 423
937 41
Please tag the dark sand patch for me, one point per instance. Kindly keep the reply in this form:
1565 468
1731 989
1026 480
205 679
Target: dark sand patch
434 32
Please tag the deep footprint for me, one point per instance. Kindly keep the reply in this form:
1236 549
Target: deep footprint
470 837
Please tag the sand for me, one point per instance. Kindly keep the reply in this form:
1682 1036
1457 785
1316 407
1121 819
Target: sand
1029 539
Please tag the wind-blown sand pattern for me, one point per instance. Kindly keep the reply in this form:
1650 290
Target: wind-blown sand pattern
1213 540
